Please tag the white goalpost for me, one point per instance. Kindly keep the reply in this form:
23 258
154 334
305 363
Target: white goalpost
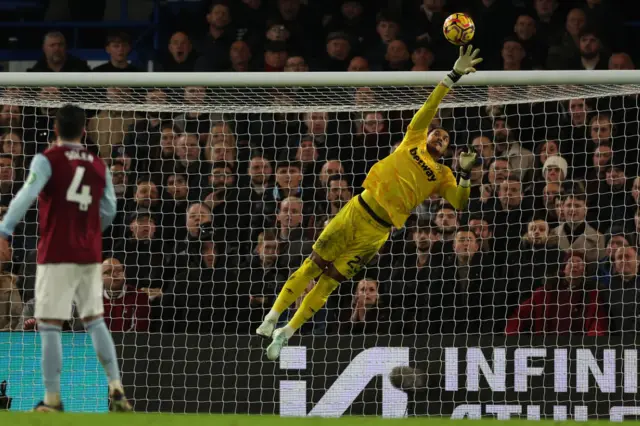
516 306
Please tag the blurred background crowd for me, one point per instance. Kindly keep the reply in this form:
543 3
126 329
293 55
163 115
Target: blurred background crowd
216 210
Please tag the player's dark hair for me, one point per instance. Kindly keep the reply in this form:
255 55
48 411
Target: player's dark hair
70 122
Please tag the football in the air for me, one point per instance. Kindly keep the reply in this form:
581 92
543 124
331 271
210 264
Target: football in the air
459 28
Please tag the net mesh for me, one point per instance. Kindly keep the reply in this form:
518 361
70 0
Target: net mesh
222 191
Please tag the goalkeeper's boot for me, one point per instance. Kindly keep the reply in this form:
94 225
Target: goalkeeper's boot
266 329
118 402
408 379
44 408
279 340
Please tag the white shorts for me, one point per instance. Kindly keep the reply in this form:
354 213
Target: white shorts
60 285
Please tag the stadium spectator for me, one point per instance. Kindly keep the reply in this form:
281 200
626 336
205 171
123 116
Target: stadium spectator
592 53
575 233
513 211
368 313
125 307
621 61
10 117
118 47
214 47
304 29
240 56
8 184
388 29
573 137
566 305
521 160
352 19
622 295
339 192
616 238
358 63
536 259
180 56
397 57
291 233
551 197
339 52
296 64
56 58
108 127
514 57
422 56
562 51
10 301
525 31
555 169
461 290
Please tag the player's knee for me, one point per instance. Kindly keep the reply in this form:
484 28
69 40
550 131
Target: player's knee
49 321
87 320
332 272
319 261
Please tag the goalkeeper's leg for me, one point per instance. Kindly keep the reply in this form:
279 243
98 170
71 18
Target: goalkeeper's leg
310 269
311 304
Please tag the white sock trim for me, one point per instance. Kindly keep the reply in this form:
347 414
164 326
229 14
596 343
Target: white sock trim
272 316
52 399
115 385
288 331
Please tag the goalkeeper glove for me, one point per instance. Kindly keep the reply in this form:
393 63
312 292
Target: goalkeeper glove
466 161
464 65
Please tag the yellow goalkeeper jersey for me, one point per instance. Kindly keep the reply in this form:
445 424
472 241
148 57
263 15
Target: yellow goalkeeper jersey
403 180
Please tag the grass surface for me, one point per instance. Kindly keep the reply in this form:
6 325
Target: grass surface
140 419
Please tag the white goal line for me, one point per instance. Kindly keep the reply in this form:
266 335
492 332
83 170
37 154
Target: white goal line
295 79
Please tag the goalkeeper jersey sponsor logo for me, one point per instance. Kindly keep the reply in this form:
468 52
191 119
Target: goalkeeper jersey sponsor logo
431 176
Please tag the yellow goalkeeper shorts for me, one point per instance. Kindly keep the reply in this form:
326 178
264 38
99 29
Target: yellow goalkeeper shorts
352 238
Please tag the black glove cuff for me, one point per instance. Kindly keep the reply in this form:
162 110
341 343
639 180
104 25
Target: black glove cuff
454 76
464 174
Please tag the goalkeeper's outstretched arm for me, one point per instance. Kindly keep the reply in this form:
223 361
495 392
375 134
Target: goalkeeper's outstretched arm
464 65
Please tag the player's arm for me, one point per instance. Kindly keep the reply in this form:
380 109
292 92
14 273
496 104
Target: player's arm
458 194
464 65
108 203
39 175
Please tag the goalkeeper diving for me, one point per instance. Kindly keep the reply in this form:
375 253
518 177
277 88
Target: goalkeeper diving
393 188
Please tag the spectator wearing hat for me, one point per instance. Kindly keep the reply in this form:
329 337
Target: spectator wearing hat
118 47
615 238
338 52
593 55
555 170
180 55
275 56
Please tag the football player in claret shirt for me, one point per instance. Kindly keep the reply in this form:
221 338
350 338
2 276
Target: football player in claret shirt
76 202
394 187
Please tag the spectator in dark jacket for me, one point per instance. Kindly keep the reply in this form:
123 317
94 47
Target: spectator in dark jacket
622 298
616 238
56 58
367 313
118 47
181 57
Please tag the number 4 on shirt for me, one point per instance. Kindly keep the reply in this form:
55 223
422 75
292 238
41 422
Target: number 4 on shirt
77 193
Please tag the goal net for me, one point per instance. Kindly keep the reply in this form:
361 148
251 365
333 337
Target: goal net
522 304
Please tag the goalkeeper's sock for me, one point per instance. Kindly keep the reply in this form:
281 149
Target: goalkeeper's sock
293 288
106 351
312 303
50 336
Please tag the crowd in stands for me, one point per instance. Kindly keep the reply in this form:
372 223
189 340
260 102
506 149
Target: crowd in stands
216 210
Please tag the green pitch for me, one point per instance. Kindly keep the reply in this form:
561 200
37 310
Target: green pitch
30 419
